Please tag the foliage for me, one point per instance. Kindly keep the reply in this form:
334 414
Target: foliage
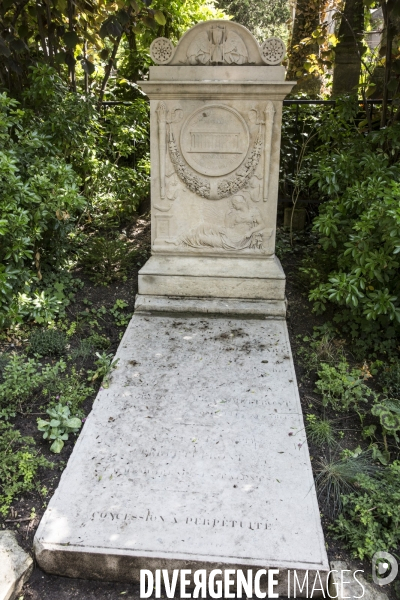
370 520
337 477
121 318
107 259
39 200
105 364
47 342
87 346
323 348
341 387
357 174
26 382
261 21
19 464
69 390
23 380
390 378
61 424
83 40
320 431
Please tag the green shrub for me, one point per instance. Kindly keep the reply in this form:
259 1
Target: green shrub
106 259
357 176
370 518
390 379
19 464
39 200
23 381
27 382
341 387
87 346
47 342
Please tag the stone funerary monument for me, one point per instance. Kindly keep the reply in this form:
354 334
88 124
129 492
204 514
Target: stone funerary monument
216 110
195 456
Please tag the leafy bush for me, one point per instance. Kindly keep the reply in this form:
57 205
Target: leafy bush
61 159
358 177
370 519
107 259
108 150
341 387
26 382
47 342
39 201
23 380
59 427
19 464
390 379
88 345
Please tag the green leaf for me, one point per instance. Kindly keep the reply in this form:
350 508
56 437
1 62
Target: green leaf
71 39
160 17
57 446
74 423
149 22
88 66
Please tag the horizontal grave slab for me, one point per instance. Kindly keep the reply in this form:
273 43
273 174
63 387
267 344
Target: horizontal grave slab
194 457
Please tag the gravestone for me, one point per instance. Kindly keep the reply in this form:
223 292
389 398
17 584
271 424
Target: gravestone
216 111
195 457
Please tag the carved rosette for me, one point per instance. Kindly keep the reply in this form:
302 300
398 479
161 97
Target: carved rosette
161 50
273 51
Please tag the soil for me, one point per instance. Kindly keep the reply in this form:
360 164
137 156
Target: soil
301 321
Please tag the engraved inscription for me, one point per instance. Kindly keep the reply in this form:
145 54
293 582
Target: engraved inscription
214 140
197 521
227 143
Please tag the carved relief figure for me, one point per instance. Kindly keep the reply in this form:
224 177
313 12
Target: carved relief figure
244 228
217 46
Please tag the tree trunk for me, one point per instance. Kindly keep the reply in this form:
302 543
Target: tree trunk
306 20
347 69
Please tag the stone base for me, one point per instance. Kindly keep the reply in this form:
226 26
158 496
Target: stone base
213 277
195 457
228 307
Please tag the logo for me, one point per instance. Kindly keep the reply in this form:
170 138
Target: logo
384 568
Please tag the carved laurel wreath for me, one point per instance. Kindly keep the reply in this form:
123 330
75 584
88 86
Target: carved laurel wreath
227 187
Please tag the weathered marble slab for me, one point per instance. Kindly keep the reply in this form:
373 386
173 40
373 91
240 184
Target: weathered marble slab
195 457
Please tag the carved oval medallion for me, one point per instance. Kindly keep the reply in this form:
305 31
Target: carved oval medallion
214 140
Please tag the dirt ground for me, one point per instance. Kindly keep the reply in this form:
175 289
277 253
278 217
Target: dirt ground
47 587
